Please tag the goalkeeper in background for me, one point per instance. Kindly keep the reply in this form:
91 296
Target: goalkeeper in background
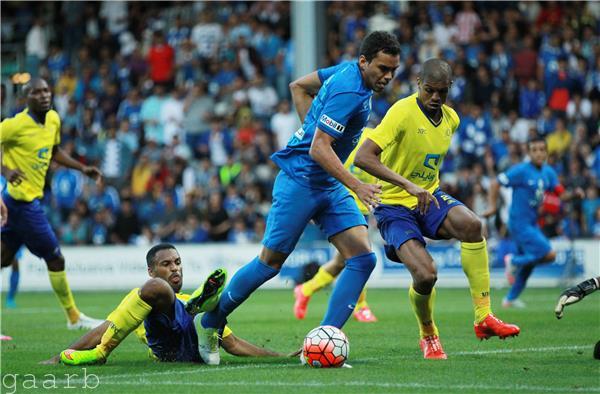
575 294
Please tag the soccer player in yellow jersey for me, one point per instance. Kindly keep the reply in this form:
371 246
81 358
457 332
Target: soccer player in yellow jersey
161 317
29 141
330 270
405 152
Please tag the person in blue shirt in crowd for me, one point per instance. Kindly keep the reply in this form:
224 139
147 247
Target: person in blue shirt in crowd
529 181
334 105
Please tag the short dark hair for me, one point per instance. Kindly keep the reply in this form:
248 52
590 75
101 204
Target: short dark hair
435 70
28 86
537 138
154 250
379 41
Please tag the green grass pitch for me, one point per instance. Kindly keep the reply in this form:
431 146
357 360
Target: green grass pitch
549 356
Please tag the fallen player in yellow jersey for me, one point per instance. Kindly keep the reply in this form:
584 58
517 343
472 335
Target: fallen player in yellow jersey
161 318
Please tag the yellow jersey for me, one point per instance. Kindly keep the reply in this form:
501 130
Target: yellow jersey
27 146
413 147
363 176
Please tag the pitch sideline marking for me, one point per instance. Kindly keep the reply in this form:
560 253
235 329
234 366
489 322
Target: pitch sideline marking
202 370
364 384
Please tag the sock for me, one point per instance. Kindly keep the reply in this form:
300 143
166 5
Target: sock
247 279
14 285
60 285
347 289
523 273
321 279
422 305
474 259
127 317
362 300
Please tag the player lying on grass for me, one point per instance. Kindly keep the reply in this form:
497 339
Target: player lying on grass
575 294
161 317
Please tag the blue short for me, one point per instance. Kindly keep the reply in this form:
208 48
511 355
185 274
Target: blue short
398 224
530 240
27 225
294 205
173 339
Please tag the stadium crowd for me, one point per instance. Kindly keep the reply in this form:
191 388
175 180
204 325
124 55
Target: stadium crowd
181 104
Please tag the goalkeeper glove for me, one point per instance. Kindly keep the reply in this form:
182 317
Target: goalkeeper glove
575 294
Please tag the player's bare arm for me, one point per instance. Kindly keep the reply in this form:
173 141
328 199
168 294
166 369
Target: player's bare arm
3 213
242 348
13 175
89 340
368 158
322 152
62 158
494 192
303 91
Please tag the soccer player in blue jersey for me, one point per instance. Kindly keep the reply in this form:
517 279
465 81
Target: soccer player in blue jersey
529 181
30 140
334 105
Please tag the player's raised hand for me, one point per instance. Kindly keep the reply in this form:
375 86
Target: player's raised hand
424 198
369 194
15 177
92 172
491 211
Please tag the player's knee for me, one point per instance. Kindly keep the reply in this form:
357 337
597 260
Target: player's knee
424 280
473 230
57 264
156 289
364 262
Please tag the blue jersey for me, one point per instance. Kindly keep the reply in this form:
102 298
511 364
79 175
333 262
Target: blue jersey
529 184
340 109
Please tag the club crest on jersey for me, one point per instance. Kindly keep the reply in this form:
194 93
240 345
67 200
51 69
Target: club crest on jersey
332 123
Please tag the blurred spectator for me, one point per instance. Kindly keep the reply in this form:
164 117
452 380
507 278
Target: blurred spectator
218 218
525 60
531 100
75 231
467 22
560 139
171 116
150 114
126 225
284 124
161 60
116 158
104 196
130 109
36 47
207 35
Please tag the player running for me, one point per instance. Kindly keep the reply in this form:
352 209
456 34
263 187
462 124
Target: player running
529 180
161 317
30 140
406 151
330 270
310 185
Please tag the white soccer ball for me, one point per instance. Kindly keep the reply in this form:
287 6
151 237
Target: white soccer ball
326 347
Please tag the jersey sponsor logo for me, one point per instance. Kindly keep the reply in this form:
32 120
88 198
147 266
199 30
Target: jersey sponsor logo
423 175
43 153
299 133
332 123
431 157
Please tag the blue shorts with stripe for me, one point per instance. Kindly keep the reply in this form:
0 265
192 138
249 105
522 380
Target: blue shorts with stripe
295 205
27 225
398 224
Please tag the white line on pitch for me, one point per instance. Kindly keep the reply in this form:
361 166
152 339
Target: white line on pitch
390 385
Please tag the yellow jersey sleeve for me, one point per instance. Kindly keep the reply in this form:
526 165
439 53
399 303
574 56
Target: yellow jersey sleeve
390 128
363 176
8 129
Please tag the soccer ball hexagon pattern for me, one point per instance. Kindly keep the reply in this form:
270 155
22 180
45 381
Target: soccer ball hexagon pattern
326 347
